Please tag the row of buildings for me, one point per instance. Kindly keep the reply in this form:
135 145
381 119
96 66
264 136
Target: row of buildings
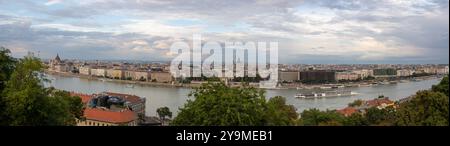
352 75
287 73
114 71
123 74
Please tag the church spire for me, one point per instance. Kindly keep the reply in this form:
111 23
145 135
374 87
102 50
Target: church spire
57 57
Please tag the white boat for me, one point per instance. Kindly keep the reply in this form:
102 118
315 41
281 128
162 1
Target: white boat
310 96
365 85
130 86
325 94
325 87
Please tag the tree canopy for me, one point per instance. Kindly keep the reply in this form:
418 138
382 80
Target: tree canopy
6 66
427 108
163 112
220 105
25 101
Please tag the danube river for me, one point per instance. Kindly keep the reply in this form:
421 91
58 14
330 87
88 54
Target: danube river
176 97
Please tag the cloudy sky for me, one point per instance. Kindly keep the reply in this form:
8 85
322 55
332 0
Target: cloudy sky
308 31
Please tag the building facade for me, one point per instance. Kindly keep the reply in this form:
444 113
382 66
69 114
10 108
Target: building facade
404 72
348 76
318 76
364 73
98 72
288 76
85 70
141 76
384 72
115 73
162 77
102 117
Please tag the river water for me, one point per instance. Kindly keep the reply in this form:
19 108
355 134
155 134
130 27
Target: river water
176 97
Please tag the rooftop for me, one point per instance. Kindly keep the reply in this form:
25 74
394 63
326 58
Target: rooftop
97 114
84 97
378 102
347 111
130 98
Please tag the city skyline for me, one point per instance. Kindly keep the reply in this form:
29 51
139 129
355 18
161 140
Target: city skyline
308 32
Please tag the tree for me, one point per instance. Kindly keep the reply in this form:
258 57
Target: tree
74 104
142 79
356 120
164 112
216 104
280 114
426 108
315 117
7 65
380 117
27 102
442 86
356 103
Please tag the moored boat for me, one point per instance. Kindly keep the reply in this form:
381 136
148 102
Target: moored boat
325 94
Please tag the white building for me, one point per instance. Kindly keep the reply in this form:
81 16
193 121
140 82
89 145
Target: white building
404 72
85 70
99 72
349 76
364 73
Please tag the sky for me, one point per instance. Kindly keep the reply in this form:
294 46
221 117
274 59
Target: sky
307 31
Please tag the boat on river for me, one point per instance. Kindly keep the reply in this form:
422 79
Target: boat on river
314 95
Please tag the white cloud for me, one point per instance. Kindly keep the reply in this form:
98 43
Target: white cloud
52 2
363 29
156 28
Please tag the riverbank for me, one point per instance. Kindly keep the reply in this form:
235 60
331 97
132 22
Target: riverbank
131 83
281 86
364 83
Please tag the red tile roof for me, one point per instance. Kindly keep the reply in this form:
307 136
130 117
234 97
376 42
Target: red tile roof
84 97
127 97
378 102
347 111
124 116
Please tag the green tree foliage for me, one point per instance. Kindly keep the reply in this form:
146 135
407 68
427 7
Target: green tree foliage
427 108
380 117
164 112
6 66
315 117
280 114
356 103
442 86
6 69
26 102
74 104
217 104
356 120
